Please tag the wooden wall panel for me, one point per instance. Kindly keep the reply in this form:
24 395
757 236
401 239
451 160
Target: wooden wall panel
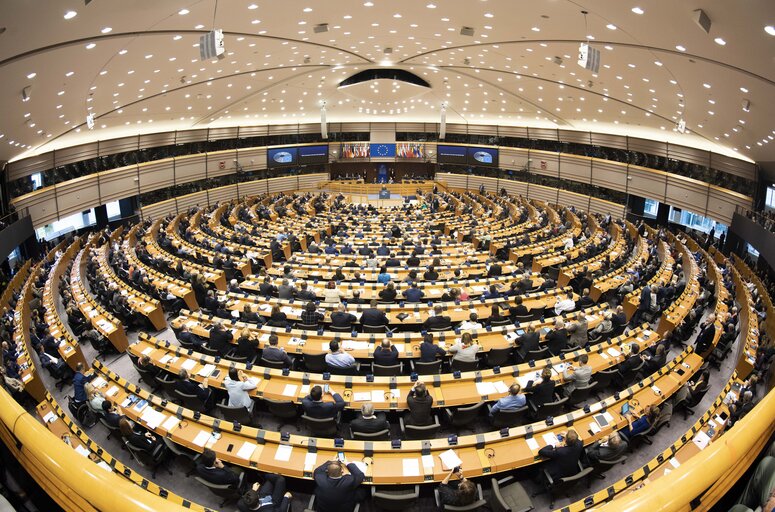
155 176
647 184
112 185
687 194
576 169
78 195
189 168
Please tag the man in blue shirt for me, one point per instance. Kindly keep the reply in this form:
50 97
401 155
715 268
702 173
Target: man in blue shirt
331 250
383 250
514 400
79 383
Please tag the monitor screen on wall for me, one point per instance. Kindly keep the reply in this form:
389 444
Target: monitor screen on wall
281 157
483 157
451 154
313 154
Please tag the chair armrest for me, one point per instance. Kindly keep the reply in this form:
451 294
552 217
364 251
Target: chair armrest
548 477
436 497
436 420
411 365
401 424
503 481
447 413
479 491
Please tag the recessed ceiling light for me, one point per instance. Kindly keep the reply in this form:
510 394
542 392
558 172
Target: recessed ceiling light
638 10
32 75
720 41
177 38
591 37
252 6
90 46
489 15
368 4
431 6
307 9
743 89
707 86
70 73
535 29
255 22
611 26
199 27
70 15
770 29
183 12
122 52
106 30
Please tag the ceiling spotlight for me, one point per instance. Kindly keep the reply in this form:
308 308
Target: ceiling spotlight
611 26
106 30
32 75
770 29
637 10
183 12
70 15
720 41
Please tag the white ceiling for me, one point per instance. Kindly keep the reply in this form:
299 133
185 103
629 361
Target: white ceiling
144 75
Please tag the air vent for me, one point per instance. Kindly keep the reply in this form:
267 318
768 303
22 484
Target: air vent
467 31
319 29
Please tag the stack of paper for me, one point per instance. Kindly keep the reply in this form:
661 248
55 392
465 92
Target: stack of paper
206 370
247 450
427 462
310 460
501 387
450 460
290 390
411 467
112 391
550 439
201 438
171 423
485 388
533 444
152 418
188 364
283 453
377 395
613 352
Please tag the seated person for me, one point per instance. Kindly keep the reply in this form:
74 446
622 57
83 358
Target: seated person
277 318
388 293
511 402
310 315
335 489
247 344
759 492
557 338
577 332
641 424
210 468
420 405
429 352
386 354
528 342
139 438
188 387
465 350
315 407
338 358
341 318
269 496
237 385
577 375
220 339
607 449
368 422
519 309
374 317
414 294
273 352
457 494
95 398
188 338
471 324
438 321
563 458
605 325
542 391
111 414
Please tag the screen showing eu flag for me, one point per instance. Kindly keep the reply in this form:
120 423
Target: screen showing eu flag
383 150
313 155
281 157
484 157
451 154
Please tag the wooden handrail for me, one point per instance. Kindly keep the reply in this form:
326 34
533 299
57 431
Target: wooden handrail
75 482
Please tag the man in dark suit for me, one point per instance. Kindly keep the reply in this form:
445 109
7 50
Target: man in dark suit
619 318
386 354
413 260
267 289
187 337
341 318
609 448
527 342
557 338
706 336
392 261
374 317
564 458
336 491
438 321
494 270
368 422
211 469
643 306
430 274
189 387
315 407
383 250
220 339
414 294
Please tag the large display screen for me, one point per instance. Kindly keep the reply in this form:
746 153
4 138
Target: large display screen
485 157
451 154
313 155
281 157
383 150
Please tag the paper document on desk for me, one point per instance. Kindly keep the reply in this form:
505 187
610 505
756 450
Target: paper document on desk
283 453
613 352
152 418
188 364
112 391
427 462
533 444
355 345
501 386
511 336
83 451
48 418
206 370
171 423
165 359
147 350
411 467
400 347
246 451
701 439
450 460
364 396
360 465
310 460
485 388
550 439
201 438
290 390
674 462
99 382
377 395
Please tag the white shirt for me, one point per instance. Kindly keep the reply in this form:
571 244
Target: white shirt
564 305
238 392
468 325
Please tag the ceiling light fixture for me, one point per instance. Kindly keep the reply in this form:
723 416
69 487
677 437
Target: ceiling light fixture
680 48
770 29
32 75
70 15
720 41
183 12
90 46
252 6
611 26
637 10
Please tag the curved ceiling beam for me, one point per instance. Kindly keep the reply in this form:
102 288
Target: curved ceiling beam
73 42
596 41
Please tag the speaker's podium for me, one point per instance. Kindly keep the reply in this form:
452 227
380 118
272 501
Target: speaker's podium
384 193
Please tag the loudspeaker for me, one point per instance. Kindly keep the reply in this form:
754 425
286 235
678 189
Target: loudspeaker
589 57
211 45
323 126
702 19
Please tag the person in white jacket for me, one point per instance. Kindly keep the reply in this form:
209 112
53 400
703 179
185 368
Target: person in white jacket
238 384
